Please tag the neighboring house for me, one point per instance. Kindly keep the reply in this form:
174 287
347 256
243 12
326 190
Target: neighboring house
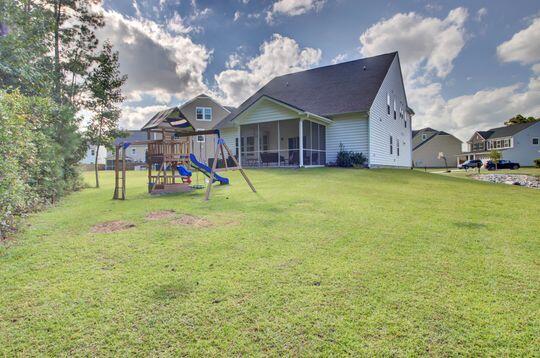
90 156
518 143
135 153
301 119
428 143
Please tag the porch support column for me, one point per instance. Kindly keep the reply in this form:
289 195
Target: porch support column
301 140
239 146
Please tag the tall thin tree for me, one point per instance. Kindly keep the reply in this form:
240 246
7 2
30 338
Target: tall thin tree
105 90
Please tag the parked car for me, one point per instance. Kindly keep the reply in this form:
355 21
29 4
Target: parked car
473 163
503 164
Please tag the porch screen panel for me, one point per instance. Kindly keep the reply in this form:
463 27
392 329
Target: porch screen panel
268 144
249 144
307 142
289 143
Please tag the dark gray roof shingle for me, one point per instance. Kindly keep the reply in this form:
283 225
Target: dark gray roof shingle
505 131
134 136
330 90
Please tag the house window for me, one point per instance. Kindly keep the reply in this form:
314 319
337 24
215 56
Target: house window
405 123
200 139
535 141
203 113
397 147
388 103
391 145
93 152
424 136
236 146
395 113
250 144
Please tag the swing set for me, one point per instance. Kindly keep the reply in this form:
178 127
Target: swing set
169 157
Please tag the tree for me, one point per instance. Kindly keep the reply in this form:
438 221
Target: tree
105 86
495 156
520 119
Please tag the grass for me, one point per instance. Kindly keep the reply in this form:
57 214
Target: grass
318 262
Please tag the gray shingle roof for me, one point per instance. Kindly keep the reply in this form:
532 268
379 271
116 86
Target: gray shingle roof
134 136
330 90
505 131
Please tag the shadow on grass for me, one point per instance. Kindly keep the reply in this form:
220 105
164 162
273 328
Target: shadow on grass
173 290
469 225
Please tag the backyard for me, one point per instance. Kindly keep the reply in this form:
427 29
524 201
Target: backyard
318 262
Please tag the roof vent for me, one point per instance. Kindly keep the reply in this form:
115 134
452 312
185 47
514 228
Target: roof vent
365 68
286 84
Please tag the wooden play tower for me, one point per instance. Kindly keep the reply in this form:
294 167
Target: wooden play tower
168 149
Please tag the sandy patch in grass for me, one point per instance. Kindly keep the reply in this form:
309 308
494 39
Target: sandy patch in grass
162 214
111 226
192 220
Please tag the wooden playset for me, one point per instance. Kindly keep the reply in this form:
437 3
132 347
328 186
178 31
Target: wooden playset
169 158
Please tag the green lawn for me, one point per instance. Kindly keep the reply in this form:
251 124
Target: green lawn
318 262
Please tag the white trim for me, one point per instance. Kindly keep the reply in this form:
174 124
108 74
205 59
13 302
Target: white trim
301 142
203 119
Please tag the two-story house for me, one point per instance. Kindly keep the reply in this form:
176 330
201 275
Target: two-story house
518 143
304 118
429 143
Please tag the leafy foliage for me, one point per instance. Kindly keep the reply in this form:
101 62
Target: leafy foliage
537 162
347 159
520 119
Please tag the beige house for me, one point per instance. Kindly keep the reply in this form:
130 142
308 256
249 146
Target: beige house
428 143
204 112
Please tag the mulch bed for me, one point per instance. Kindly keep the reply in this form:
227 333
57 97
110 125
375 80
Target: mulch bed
192 220
111 226
162 214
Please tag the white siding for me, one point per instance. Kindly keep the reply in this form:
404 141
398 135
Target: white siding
229 135
90 158
265 111
383 125
352 131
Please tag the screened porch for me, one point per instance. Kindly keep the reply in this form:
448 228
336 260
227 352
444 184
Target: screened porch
279 144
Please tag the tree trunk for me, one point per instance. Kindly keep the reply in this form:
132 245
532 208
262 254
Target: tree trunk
96 166
57 17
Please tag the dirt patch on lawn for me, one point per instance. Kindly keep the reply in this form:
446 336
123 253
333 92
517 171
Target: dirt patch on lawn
192 220
162 214
111 226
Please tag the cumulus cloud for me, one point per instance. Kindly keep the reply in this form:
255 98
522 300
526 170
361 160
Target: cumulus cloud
523 47
278 56
161 63
480 14
237 15
134 117
425 44
339 58
293 8
428 47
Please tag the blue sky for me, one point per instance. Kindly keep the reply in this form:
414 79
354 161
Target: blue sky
467 65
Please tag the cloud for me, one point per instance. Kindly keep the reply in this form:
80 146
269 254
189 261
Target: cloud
161 63
293 8
523 47
278 56
426 44
134 117
176 25
339 58
480 14
237 15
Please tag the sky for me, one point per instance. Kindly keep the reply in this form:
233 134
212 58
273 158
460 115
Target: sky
467 65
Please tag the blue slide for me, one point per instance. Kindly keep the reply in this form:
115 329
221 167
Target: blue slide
206 170
183 171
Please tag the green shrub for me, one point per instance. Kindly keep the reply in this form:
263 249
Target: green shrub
35 169
537 162
347 159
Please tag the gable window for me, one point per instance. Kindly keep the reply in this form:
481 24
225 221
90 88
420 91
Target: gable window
424 136
535 141
405 123
391 145
93 152
203 113
388 103
395 112
200 139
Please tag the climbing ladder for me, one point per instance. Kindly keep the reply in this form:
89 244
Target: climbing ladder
120 173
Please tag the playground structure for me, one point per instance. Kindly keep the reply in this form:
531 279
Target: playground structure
168 150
